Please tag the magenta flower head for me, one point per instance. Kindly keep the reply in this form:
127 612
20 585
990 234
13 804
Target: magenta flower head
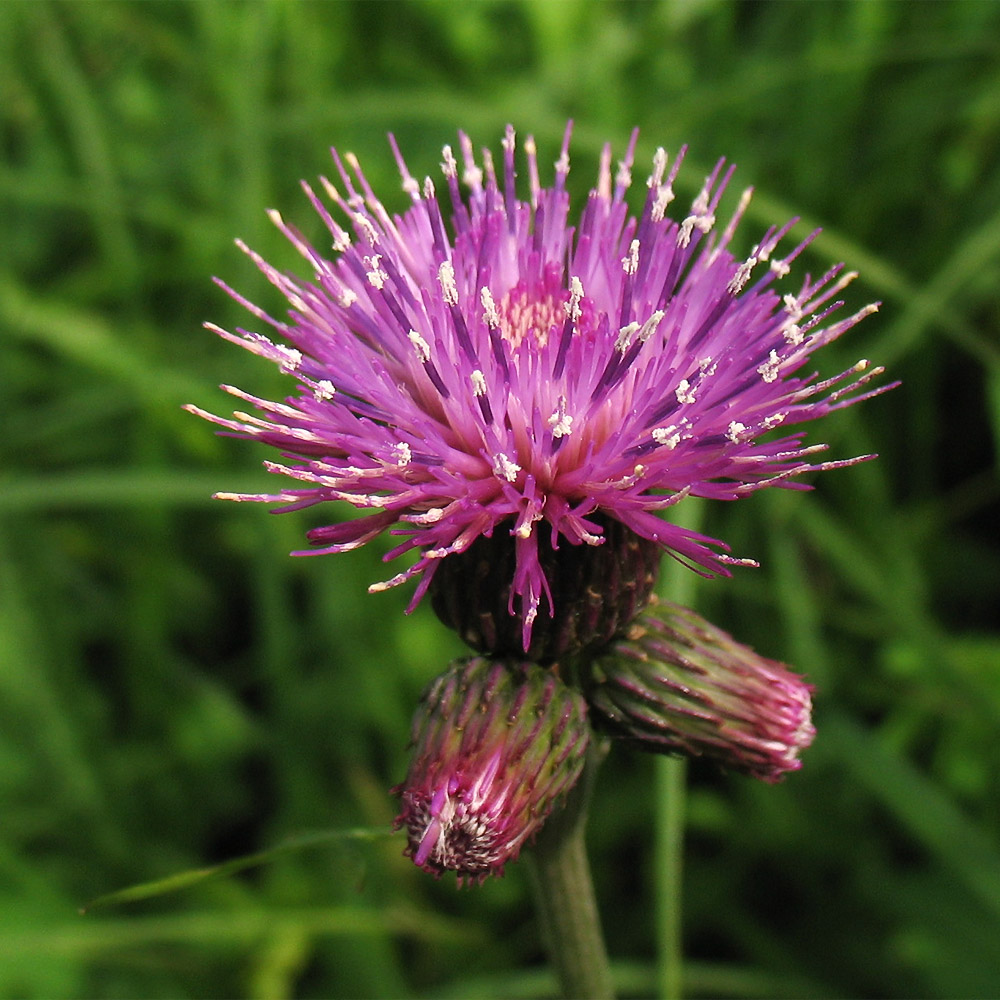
496 747
677 684
518 395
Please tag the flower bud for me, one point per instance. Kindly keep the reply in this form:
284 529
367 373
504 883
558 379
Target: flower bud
677 684
496 745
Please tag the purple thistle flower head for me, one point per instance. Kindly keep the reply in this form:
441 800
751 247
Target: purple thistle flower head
496 747
516 374
678 684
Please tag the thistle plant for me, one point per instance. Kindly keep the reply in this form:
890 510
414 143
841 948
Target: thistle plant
518 395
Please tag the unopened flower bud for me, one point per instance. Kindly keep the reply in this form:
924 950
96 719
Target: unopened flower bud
496 746
677 684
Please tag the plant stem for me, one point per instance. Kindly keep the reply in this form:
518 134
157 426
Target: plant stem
668 865
564 896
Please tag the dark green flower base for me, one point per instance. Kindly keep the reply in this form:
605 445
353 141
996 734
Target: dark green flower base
597 590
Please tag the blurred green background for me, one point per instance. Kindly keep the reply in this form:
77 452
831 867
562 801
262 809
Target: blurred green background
176 691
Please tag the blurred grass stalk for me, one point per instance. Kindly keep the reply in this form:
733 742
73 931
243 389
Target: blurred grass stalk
670 785
676 584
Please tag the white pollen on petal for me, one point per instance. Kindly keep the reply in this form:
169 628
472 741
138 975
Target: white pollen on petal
659 168
331 191
735 430
450 165
768 371
524 531
489 308
472 176
411 187
421 346
625 335
431 516
792 333
478 381
707 367
377 277
684 392
624 176
704 223
793 307
649 327
780 268
630 263
664 196
378 588
324 390
504 467
742 276
627 482
347 298
768 423
845 279
403 453
573 309
428 189
562 164
700 205
685 231
446 275
861 365
669 436
560 421
290 359
365 225
745 198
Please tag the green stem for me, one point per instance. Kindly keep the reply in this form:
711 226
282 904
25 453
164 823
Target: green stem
564 896
668 865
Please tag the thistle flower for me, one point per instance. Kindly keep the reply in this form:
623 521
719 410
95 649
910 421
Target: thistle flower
513 387
496 746
678 684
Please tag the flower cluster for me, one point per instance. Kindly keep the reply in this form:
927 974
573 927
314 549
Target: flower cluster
518 396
